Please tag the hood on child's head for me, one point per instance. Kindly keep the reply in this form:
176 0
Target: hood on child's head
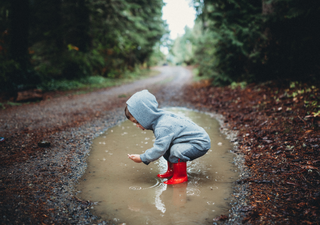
143 106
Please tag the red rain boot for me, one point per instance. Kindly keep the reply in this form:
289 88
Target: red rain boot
169 172
179 173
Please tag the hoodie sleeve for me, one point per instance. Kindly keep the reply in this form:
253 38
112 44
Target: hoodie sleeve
164 137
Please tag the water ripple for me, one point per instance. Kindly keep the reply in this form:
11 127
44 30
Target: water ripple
193 191
157 184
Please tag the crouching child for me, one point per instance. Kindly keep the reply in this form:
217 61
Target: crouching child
178 139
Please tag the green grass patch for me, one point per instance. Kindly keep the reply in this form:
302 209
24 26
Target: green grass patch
198 78
8 103
2 106
14 103
86 85
242 85
95 82
139 74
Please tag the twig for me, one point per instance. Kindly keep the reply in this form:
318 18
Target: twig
302 120
306 180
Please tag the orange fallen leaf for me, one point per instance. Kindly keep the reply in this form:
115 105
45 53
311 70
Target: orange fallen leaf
309 167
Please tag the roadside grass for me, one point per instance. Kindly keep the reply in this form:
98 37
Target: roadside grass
56 88
9 103
92 83
197 77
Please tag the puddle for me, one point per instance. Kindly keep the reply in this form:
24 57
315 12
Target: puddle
131 193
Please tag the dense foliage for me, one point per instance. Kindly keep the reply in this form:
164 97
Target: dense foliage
183 47
248 40
292 46
54 39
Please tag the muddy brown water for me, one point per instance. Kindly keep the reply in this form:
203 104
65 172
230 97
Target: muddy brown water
130 193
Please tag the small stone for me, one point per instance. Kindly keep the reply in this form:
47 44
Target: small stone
44 144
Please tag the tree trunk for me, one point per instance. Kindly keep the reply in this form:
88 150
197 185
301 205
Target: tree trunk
267 9
82 28
19 31
57 24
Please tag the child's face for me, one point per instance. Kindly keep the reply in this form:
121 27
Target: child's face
136 122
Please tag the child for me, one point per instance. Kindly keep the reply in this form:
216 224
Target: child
178 139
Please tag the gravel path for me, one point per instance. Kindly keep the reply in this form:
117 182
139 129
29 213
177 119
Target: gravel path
37 185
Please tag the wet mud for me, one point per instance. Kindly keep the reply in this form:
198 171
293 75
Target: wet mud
131 193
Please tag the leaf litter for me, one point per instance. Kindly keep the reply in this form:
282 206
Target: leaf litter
279 135
278 127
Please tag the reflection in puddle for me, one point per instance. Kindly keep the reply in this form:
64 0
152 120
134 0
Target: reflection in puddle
132 193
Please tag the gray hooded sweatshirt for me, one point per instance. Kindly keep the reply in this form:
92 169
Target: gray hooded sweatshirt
168 128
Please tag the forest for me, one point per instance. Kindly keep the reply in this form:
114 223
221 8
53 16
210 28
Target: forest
43 42
255 63
232 41
253 41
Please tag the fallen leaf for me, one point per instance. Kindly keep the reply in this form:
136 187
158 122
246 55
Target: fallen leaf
309 167
288 182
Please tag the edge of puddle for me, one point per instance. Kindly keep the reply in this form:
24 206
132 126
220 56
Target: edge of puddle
239 197
69 151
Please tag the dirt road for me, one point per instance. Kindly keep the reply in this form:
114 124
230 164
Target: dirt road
37 184
61 111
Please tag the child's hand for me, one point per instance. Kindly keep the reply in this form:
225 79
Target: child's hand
135 157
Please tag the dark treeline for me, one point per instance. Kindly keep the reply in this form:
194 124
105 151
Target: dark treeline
232 40
253 41
69 39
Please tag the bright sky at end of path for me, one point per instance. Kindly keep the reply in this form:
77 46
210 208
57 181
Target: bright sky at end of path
178 14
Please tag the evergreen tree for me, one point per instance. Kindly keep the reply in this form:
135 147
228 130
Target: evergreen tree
19 32
75 38
259 40
183 48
